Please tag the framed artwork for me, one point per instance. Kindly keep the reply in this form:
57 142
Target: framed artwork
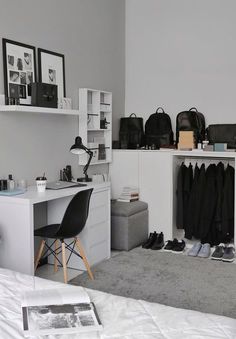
52 70
19 66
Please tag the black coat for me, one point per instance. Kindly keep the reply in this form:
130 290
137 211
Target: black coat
228 203
209 203
180 196
192 204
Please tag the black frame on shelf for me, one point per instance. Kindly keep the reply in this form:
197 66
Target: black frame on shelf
40 66
24 100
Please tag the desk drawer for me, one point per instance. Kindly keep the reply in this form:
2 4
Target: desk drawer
97 215
98 233
99 252
98 199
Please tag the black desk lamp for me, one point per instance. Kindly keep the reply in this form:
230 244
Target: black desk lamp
79 148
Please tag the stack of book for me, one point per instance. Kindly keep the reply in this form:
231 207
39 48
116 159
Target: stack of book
129 194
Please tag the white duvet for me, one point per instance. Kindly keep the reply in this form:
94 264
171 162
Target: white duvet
121 317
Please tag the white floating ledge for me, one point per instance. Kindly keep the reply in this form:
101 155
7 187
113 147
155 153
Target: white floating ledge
36 109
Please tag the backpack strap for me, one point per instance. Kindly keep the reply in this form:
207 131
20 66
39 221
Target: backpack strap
135 116
160 108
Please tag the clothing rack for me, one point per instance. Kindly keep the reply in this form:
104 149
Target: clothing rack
208 161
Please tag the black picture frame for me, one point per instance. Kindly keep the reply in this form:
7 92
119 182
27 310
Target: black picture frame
19 69
51 69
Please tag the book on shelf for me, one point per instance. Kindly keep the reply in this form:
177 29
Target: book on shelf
58 311
130 189
127 200
130 196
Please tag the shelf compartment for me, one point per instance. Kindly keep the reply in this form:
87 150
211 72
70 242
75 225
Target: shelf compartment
96 112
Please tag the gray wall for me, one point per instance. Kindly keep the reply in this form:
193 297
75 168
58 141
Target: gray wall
181 54
91 35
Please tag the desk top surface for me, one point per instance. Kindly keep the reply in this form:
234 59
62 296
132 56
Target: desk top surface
32 196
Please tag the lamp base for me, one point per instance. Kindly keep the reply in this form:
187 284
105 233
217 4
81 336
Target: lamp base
84 179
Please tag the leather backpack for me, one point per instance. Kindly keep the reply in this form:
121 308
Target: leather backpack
191 120
158 129
131 134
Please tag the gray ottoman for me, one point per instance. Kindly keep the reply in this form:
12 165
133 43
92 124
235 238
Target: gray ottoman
129 224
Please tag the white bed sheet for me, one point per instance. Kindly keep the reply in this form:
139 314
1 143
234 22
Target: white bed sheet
121 317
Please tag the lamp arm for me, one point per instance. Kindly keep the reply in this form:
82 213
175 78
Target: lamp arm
90 153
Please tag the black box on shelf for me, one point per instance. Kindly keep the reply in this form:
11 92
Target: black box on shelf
44 95
101 152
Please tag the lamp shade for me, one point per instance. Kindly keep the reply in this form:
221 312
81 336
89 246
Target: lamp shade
78 147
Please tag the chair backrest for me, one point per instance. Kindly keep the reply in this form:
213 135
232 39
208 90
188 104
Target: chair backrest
76 215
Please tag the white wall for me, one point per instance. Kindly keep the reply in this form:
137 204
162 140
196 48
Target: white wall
181 54
91 35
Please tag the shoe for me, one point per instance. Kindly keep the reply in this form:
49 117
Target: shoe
150 241
205 251
219 252
178 247
169 245
228 255
193 252
159 243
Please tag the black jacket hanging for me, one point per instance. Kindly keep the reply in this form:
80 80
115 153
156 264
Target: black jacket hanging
188 181
191 212
180 198
209 202
228 204
199 201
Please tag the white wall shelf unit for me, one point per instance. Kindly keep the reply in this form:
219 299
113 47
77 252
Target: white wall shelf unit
35 109
95 124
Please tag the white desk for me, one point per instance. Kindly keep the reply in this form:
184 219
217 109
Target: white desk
20 214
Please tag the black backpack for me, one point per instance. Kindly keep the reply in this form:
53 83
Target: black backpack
158 129
131 134
191 120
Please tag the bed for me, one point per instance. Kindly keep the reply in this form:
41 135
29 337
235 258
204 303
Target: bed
121 317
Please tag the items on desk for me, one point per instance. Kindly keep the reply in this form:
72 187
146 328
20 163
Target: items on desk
66 174
22 184
15 191
41 183
10 183
78 148
3 184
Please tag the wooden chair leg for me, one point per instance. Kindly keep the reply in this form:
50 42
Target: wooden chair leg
81 252
56 249
63 249
39 255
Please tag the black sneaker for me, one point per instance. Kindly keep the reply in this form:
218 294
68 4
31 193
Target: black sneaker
169 245
228 255
159 243
178 246
150 241
219 252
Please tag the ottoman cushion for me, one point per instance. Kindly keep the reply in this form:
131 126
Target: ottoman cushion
126 209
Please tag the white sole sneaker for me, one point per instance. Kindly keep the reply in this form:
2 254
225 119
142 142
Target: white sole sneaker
219 259
228 260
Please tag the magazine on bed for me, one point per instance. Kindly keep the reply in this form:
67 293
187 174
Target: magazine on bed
58 311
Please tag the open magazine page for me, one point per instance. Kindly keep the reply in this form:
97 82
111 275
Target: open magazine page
58 312
55 296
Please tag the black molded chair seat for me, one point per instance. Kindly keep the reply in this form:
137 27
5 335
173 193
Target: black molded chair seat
49 231
72 224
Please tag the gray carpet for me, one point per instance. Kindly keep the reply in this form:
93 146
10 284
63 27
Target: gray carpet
171 279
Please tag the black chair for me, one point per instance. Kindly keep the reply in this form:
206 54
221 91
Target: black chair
72 224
